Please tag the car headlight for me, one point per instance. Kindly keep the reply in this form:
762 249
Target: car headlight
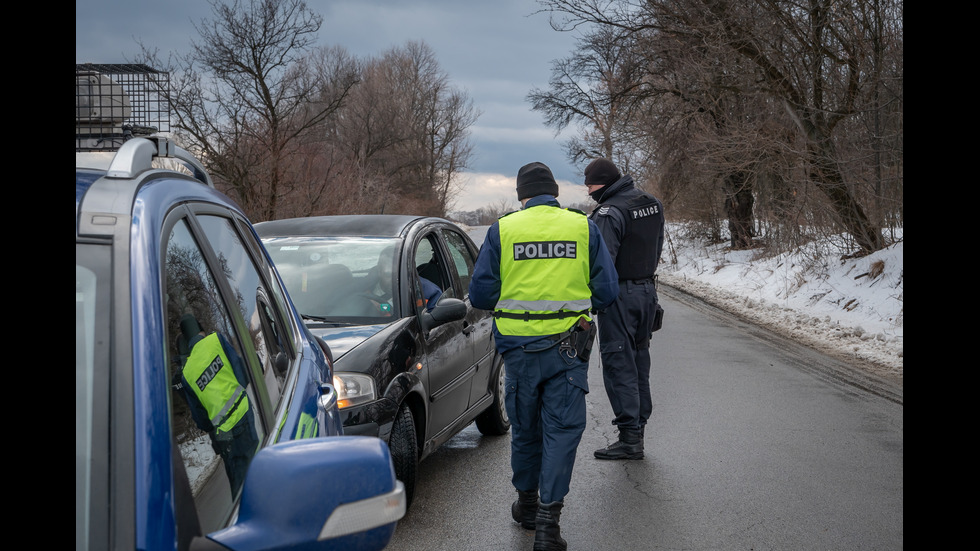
353 389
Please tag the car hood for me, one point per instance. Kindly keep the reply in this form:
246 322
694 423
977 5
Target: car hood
342 339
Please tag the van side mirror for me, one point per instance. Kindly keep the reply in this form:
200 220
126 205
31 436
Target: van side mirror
334 492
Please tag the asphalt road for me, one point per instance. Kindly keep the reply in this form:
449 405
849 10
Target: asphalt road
755 443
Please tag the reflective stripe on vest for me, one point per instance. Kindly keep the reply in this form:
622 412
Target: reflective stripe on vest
212 379
544 271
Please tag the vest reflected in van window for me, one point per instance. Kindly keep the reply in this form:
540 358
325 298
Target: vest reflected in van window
208 375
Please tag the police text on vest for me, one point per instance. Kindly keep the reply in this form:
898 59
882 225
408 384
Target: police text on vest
644 212
531 250
209 373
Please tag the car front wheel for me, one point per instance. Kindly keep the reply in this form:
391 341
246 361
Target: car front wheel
405 451
494 421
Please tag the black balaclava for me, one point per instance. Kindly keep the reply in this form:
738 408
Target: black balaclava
601 172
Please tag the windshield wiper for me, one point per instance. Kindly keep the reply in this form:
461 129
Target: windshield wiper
324 319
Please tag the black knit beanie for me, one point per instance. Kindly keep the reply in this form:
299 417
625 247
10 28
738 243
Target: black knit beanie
189 325
535 179
601 172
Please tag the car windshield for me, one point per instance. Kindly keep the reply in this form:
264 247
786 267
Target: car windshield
338 278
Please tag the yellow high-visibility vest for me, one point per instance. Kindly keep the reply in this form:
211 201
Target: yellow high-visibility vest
212 379
544 271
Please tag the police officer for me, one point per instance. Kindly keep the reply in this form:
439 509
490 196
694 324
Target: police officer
541 270
213 382
632 226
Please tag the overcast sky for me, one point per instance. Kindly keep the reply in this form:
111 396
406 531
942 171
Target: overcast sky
494 50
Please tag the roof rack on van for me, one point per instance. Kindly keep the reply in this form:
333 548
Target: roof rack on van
117 103
136 156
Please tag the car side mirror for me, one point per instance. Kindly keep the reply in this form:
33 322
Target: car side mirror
281 363
334 492
447 309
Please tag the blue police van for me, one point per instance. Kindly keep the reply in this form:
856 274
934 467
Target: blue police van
205 414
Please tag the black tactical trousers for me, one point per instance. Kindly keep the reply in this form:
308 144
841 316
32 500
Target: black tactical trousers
625 329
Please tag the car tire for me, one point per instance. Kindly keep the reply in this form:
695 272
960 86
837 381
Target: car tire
494 420
405 451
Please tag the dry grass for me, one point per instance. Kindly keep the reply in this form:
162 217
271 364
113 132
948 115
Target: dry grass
877 268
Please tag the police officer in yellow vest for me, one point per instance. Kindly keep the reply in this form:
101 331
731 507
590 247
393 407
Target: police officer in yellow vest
213 382
541 270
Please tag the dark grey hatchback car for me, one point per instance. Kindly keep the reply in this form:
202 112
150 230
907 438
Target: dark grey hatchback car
414 362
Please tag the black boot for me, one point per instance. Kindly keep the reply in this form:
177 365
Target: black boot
525 508
629 446
547 533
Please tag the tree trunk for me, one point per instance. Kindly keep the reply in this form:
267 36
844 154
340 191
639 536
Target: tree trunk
829 180
738 206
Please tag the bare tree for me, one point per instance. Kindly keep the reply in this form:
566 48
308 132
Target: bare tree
406 130
824 41
320 173
448 132
289 130
596 88
244 100
823 63
436 117
632 94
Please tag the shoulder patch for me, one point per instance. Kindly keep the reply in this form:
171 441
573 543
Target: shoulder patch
602 211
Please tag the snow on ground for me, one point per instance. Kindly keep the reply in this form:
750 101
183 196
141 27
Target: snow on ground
852 309
849 308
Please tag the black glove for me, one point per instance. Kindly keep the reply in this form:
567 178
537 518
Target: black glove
177 381
220 446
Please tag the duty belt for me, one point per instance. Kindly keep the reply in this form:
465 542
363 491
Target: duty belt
527 316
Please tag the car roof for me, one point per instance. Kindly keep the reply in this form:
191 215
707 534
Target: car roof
83 180
97 194
361 225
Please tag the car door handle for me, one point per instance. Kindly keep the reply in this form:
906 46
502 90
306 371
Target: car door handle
328 396
468 328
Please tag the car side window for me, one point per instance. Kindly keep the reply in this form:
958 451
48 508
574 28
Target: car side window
277 307
253 301
214 418
430 286
428 264
462 258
